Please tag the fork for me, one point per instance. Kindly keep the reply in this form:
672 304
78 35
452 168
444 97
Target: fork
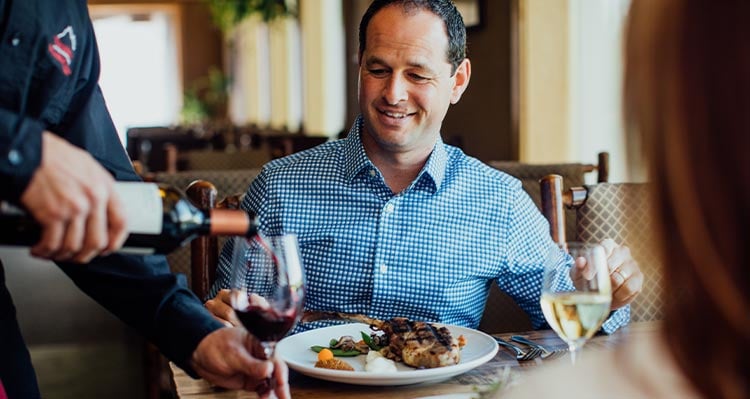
546 353
521 354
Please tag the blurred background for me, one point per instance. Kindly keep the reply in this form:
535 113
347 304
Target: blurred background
185 79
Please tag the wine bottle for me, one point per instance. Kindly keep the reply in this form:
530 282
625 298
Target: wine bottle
159 219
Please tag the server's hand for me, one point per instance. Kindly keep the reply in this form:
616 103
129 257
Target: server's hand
72 197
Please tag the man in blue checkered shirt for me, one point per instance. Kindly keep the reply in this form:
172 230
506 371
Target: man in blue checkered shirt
393 222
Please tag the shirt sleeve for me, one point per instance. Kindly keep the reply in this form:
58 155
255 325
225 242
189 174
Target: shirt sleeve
143 293
617 319
529 244
140 290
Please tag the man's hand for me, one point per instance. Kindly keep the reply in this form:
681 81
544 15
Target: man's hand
221 307
625 276
225 358
624 273
73 199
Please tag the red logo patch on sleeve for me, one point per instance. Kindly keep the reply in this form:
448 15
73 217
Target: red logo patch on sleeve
63 48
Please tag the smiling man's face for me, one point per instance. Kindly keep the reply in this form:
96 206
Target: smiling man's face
405 82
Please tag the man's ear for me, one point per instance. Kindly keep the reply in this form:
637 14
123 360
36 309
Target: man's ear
462 76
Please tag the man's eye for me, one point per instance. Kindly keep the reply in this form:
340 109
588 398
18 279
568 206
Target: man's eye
418 78
378 72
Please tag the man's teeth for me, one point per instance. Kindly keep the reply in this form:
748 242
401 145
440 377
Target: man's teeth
395 115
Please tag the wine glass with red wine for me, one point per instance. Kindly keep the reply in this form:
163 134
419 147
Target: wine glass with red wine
267 286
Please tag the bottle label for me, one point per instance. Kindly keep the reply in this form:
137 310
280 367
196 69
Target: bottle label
143 206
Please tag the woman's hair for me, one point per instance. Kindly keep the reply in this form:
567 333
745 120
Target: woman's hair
687 96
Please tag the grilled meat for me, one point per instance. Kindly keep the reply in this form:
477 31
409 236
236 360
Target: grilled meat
416 343
420 344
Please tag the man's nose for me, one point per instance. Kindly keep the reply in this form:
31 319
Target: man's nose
395 90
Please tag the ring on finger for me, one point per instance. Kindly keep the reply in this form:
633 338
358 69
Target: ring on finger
620 273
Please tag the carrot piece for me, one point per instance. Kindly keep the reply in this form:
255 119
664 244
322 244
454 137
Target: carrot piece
325 354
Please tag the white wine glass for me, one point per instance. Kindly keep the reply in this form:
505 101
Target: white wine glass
268 286
576 293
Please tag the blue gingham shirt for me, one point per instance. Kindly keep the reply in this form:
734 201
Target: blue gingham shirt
428 253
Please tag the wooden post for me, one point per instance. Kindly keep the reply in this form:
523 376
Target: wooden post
552 206
170 157
203 250
602 174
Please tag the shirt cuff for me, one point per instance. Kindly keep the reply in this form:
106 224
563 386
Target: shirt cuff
617 319
182 324
20 158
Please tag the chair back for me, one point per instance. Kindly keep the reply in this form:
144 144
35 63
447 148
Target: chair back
574 175
501 313
222 160
198 261
620 211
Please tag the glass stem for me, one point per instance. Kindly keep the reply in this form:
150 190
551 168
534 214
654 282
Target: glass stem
268 349
573 349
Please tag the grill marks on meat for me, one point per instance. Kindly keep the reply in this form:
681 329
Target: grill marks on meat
415 343
420 344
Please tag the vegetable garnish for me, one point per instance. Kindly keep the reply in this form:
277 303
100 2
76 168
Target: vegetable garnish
325 354
336 352
347 347
369 342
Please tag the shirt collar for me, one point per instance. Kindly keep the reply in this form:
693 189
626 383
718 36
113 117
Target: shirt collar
433 173
356 161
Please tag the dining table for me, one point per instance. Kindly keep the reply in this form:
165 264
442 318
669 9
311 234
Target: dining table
472 381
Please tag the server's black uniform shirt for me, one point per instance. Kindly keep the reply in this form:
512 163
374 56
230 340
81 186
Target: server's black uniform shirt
49 68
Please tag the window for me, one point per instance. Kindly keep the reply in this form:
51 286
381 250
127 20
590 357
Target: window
138 51
596 123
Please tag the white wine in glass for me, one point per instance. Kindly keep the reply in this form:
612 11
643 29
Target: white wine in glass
576 293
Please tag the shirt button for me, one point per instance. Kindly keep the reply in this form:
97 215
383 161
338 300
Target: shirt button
14 157
15 41
383 268
389 208
372 172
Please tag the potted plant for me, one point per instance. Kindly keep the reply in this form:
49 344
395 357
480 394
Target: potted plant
228 13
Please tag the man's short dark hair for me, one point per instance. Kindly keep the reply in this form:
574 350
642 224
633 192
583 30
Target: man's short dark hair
445 9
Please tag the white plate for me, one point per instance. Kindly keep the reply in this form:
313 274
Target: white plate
295 351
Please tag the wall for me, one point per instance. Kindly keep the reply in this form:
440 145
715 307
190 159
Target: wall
201 45
596 72
324 53
353 11
544 91
79 350
570 82
482 120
